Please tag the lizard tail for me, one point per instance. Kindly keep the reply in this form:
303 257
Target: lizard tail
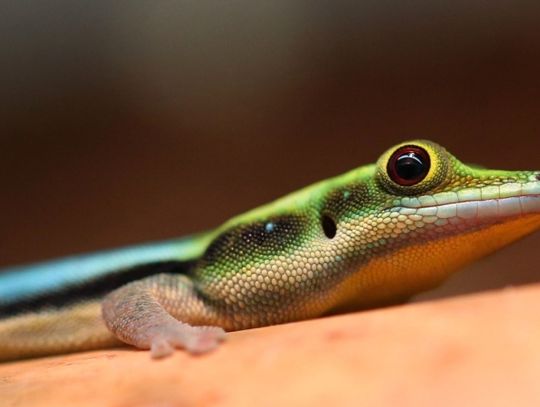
77 328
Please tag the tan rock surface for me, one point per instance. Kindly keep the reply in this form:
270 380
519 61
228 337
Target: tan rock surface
477 350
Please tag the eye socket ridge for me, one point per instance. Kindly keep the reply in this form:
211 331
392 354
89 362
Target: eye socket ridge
409 165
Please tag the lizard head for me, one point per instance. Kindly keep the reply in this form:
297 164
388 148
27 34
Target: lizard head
427 214
444 197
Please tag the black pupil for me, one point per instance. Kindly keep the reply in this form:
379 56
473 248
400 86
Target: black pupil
410 166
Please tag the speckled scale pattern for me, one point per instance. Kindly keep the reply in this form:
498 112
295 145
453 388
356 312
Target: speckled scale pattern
293 266
278 235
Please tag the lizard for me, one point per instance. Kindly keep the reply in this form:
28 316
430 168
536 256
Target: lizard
371 237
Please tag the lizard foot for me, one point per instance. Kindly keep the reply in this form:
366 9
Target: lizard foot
194 339
135 316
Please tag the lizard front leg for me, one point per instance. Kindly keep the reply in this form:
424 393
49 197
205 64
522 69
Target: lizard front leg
161 313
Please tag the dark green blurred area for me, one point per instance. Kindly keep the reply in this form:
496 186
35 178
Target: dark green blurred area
125 122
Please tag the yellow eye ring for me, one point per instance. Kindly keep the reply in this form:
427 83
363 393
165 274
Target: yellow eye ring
409 165
413 167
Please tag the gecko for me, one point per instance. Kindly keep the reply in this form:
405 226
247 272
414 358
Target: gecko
371 237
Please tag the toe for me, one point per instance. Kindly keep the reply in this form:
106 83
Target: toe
161 348
204 339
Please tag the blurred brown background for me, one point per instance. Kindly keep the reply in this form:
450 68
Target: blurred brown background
124 122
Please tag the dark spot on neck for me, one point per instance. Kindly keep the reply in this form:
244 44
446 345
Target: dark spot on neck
329 226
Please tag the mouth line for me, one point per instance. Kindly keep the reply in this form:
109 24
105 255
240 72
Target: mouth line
518 205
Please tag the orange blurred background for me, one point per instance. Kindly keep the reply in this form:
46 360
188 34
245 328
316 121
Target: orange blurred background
123 123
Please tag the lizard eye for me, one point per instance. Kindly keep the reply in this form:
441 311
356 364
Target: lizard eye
409 165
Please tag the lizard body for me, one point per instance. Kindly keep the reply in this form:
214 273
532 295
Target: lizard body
373 236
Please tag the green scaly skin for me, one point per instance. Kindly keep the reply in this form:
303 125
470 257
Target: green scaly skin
355 241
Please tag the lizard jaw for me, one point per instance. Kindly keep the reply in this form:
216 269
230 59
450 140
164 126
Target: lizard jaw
481 210
483 205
